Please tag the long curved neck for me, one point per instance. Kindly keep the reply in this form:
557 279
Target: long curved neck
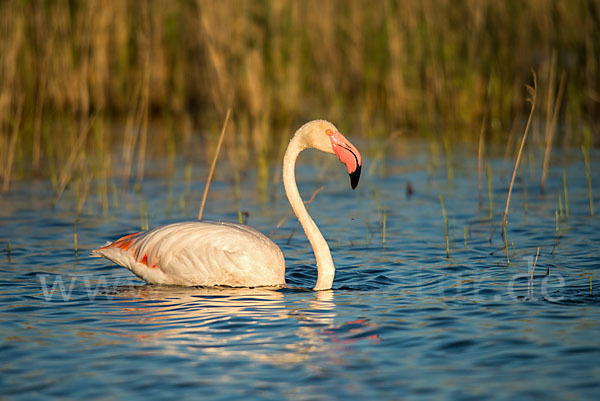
325 267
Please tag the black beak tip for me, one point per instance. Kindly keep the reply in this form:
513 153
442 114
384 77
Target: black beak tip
355 176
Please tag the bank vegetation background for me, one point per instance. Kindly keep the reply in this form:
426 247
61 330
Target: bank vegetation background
81 79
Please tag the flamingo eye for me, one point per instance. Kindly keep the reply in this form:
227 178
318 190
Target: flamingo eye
328 132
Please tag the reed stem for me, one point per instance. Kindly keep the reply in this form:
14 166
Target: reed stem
384 228
586 158
505 243
532 92
480 162
11 148
445 218
75 235
533 270
214 162
551 123
566 192
490 184
143 215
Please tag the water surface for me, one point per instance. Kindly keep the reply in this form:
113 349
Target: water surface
402 322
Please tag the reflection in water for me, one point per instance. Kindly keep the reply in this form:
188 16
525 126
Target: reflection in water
225 322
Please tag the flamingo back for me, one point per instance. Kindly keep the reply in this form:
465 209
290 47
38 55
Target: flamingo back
200 253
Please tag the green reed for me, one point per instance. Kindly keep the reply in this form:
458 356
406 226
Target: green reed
560 206
566 194
533 271
585 149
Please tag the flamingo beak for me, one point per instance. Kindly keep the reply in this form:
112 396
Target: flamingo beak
354 177
349 155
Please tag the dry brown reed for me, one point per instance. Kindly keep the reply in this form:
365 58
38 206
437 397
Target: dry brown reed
532 99
428 66
213 164
552 108
75 247
11 147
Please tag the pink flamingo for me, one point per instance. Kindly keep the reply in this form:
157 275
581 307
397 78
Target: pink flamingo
209 253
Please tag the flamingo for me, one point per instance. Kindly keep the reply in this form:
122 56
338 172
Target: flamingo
213 253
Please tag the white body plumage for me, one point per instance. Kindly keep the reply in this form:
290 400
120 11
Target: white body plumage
200 253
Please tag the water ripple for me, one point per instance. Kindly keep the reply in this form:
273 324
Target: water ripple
402 322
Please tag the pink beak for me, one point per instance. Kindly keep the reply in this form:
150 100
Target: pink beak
349 155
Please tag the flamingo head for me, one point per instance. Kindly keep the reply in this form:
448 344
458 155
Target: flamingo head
347 153
324 136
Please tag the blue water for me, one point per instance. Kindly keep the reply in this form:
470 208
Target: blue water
402 322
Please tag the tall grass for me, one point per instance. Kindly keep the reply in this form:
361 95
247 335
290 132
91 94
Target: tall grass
532 99
433 67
